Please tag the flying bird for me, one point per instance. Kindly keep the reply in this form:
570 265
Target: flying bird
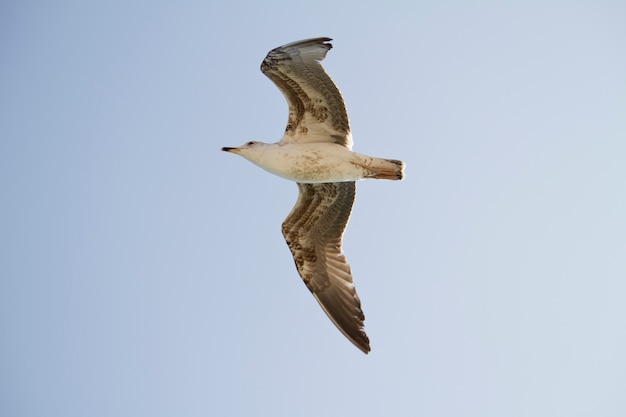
316 152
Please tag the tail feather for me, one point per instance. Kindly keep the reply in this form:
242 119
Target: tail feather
386 169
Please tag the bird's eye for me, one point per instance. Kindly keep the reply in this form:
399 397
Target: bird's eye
250 143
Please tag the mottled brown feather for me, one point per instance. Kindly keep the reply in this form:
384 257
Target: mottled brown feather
313 230
317 112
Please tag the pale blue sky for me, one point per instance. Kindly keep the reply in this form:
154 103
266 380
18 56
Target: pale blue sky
143 271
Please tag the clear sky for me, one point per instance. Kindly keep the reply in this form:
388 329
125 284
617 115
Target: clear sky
143 271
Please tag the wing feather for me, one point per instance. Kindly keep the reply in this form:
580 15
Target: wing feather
317 112
313 230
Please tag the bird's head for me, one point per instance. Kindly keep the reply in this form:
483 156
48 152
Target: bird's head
252 150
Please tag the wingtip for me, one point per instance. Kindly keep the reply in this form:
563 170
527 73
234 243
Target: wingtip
362 342
307 42
365 348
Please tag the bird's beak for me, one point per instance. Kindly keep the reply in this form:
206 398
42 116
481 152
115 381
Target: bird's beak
229 149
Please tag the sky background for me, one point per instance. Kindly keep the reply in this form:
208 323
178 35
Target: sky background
143 271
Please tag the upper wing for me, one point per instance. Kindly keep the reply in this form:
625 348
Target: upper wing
317 112
313 230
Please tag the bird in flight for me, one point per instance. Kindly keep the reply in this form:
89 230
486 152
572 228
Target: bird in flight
316 152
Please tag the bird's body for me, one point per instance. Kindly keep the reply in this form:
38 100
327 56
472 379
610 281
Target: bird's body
316 152
318 162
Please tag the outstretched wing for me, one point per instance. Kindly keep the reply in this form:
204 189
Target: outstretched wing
313 230
317 112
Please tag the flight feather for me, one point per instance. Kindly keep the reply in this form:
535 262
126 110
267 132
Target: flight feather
317 112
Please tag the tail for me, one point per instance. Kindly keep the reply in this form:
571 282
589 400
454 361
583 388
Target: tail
384 169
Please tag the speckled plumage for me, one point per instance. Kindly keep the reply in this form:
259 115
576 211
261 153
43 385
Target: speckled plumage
316 152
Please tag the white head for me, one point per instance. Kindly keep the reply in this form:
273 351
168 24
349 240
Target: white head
253 151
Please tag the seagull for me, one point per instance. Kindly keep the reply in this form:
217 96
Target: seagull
316 152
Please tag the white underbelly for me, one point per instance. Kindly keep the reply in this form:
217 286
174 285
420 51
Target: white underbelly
313 163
